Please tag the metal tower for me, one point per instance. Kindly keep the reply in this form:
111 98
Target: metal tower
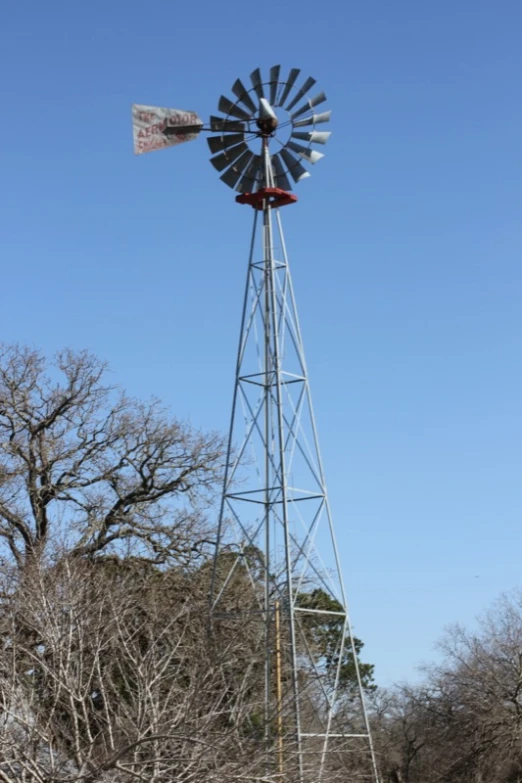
276 565
275 515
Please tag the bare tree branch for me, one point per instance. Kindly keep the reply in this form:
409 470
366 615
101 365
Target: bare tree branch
81 462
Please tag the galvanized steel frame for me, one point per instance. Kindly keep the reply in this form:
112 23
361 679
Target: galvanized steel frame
269 298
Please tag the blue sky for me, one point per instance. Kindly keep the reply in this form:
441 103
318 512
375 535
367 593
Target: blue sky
405 248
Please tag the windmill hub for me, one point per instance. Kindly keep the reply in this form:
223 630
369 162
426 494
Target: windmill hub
267 121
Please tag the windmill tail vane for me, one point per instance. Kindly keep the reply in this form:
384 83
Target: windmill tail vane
276 545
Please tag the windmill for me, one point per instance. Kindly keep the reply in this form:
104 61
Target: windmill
275 540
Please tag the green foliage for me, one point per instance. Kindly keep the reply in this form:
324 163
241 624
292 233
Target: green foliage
325 633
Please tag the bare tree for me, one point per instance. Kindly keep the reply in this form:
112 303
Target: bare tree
464 723
106 673
82 462
482 675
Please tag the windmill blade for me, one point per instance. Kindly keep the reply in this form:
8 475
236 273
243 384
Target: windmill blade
305 152
227 157
250 177
231 176
295 169
220 124
220 143
314 137
274 81
255 78
254 115
315 119
315 101
280 178
301 93
241 93
292 76
229 108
